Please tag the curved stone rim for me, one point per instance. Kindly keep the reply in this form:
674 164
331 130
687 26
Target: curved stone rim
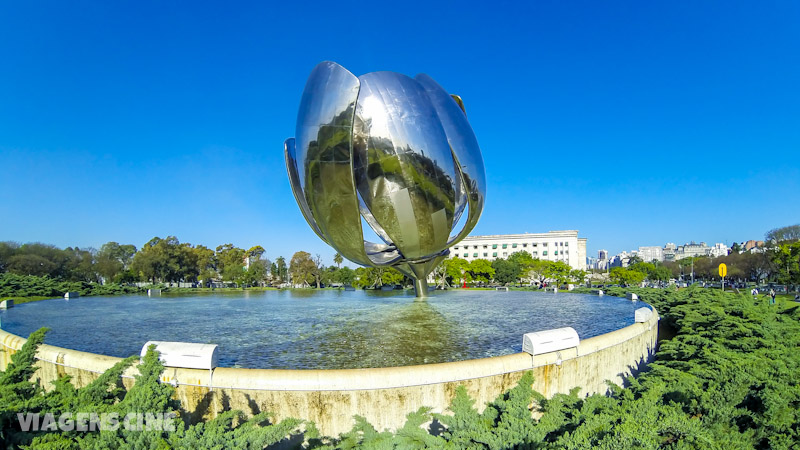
337 379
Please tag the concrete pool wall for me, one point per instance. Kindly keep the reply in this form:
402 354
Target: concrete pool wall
383 395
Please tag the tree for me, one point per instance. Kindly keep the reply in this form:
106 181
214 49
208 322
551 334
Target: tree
205 262
558 272
27 264
255 268
344 275
625 276
256 252
231 263
457 269
365 277
758 266
786 259
578 276
337 258
80 264
392 276
317 270
705 268
538 269
790 233
376 275
301 268
505 272
481 270
328 275
661 273
160 260
653 271
108 264
281 271
523 261
635 259
146 263
7 250
256 272
736 266
113 258
40 259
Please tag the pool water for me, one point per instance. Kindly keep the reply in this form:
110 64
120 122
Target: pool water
325 329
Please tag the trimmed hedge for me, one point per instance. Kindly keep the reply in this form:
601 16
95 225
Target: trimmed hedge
12 285
728 379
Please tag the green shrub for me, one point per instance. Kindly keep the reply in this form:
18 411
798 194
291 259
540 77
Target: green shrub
728 379
105 395
12 285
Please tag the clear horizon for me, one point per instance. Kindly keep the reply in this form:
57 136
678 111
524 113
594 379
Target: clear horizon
636 124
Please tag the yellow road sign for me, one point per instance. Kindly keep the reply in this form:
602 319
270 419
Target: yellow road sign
723 270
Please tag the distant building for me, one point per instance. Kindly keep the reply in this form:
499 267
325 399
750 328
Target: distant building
650 254
719 249
751 244
563 246
692 250
621 259
602 260
669 251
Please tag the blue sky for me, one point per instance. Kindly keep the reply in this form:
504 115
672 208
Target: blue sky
637 123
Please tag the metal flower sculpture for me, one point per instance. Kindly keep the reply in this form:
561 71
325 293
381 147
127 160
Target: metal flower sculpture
393 150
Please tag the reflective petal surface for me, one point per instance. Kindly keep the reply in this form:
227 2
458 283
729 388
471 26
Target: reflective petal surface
324 135
402 162
294 181
396 151
465 148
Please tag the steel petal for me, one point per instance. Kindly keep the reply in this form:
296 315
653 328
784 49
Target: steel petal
403 165
324 155
465 149
294 182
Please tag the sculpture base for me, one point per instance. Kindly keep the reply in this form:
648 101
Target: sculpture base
418 271
421 288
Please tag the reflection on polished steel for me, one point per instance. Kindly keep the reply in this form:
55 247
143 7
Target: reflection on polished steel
395 151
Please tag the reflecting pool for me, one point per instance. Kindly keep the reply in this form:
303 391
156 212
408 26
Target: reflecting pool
326 329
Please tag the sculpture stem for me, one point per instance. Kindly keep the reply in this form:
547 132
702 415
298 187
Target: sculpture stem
421 288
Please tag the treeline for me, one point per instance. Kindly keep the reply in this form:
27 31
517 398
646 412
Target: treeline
727 380
158 261
519 267
305 270
777 261
169 260
13 285
777 264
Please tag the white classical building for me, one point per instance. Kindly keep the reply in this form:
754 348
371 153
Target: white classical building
551 246
650 254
